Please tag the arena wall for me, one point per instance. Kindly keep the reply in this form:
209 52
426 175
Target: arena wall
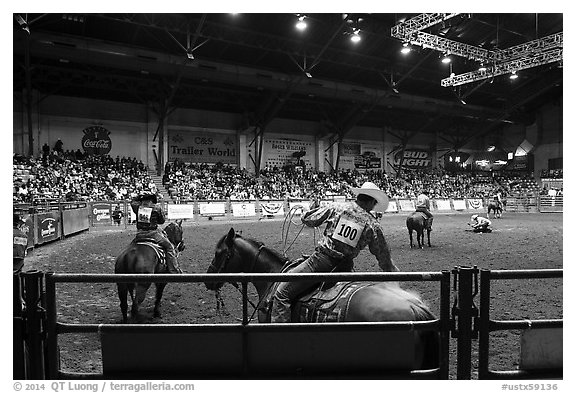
133 127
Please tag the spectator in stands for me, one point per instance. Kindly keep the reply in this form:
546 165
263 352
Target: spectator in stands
350 228
58 147
19 241
148 216
423 206
480 224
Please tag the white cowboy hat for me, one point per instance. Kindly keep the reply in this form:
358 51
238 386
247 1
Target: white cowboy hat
372 190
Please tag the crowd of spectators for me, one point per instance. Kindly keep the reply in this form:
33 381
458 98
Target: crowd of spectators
62 176
73 176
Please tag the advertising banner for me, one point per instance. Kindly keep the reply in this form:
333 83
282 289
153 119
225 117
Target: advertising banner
48 226
459 204
243 209
279 152
392 207
272 208
202 147
413 159
407 205
359 156
443 204
180 212
96 141
304 206
475 204
212 208
101 213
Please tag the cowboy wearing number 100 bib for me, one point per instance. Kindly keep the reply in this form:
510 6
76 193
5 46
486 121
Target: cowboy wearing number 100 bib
350 227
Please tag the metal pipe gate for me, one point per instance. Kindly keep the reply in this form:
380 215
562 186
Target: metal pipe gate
38 327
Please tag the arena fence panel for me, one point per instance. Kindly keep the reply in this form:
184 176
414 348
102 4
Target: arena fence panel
549 365
257 344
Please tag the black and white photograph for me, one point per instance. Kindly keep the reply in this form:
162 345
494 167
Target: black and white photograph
277 198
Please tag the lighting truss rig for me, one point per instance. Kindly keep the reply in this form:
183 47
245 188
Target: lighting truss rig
527 55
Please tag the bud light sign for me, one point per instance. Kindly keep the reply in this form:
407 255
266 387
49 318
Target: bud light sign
96 141
413 159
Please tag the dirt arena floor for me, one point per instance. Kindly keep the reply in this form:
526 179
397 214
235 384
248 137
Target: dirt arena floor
519 241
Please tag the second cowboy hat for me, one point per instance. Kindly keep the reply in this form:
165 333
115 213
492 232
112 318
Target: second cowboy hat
372 190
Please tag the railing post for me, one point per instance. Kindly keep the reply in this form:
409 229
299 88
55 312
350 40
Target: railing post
52 365
33 291
18 326
464 324
484 328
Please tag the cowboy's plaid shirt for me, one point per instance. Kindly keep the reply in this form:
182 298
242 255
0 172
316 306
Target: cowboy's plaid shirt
371 234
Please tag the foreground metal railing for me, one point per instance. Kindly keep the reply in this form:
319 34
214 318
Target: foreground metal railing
55 328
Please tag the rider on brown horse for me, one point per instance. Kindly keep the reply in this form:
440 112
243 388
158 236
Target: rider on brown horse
148 216
350 227
423 206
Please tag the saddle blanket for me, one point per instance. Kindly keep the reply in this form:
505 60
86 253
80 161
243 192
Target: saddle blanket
157 249
322 304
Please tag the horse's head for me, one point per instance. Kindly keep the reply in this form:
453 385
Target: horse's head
226 259
174 232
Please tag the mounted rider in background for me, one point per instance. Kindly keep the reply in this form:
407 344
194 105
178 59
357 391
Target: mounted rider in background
423 206
148 216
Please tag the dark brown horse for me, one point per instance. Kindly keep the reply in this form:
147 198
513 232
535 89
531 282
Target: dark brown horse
417 222
496 208
144 258
365 301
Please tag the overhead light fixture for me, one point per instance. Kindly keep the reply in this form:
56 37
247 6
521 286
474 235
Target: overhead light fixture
355 37
301 24
482 67
189 55
309 75
446 59
462 101
405 48
491 148
513 75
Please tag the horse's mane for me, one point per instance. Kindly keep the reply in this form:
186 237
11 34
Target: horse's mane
259 244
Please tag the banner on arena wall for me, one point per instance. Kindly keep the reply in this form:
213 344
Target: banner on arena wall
406 205
443 204
243 209
48 226
475 203
459 204
305 206
413 159
101 213
202 147
179 212
360 156
212 208
96 140
392 207
279 152
272 208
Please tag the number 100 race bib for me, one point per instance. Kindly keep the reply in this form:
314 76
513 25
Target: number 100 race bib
347 231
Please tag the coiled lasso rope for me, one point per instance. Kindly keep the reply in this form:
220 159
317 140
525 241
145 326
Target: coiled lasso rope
288 221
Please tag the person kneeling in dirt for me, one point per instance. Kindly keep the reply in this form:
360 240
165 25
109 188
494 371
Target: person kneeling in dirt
480 224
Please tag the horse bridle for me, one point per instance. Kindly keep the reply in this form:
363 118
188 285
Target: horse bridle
229 255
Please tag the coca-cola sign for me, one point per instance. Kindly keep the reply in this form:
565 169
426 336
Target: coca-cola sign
96 140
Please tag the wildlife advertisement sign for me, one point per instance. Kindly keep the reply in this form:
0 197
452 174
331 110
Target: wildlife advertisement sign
443 204
279 152
459 204
202 147
360 156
